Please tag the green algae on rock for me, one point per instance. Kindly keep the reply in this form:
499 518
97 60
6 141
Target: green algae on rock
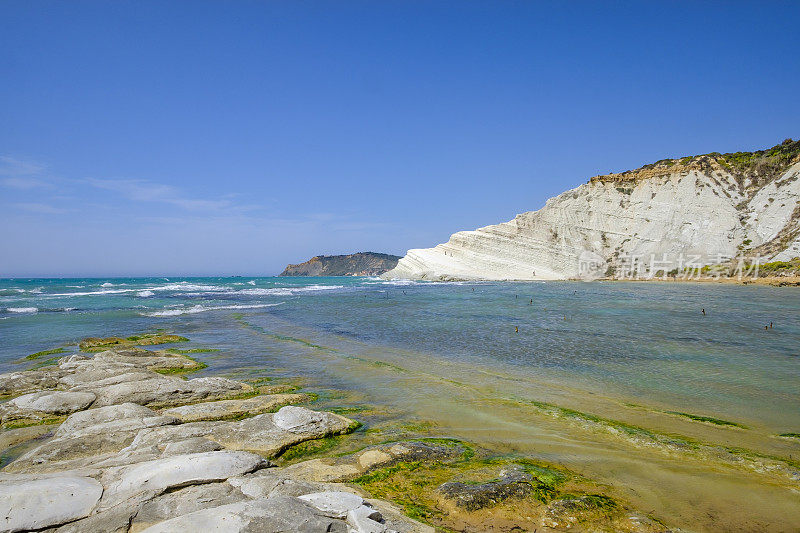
37 355
98 344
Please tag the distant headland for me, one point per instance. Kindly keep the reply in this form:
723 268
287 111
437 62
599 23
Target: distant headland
357 264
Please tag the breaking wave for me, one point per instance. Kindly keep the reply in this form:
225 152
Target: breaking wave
202 308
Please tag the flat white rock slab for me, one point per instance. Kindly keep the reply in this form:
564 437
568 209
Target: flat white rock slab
155 477
52 402
46 502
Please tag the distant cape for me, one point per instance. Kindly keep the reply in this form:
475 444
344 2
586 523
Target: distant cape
358 264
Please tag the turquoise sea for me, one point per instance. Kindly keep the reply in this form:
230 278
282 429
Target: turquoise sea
639 338
446 351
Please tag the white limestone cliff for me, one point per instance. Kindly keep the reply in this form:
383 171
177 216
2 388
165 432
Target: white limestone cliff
713 206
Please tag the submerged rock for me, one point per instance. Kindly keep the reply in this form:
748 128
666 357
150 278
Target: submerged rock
513 483
351 466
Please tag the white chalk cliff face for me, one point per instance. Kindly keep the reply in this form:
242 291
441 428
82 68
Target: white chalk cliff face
713 206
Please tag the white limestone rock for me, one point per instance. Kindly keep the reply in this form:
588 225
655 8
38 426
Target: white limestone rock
184 501
298 419
145 480
221 409
46 502
40 404
696 208
257 516
88 438
192 445
112 419
334 504
29 381
260 434
365 519
151 388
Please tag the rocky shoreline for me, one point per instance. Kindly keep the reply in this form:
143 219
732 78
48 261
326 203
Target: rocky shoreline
143 451
119 441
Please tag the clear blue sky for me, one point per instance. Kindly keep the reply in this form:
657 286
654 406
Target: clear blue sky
232 137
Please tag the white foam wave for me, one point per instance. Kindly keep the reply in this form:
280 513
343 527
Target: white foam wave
92 293
17 290
107 284
186 286
312 288
251 282
145 294
287 291
203 308
22 309
265 292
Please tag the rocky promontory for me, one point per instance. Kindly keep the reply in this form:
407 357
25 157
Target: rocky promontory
358 264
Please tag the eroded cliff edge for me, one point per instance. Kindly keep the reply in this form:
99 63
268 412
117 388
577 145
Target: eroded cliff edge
714 206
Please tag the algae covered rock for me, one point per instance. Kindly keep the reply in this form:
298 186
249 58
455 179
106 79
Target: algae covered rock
347 467
512 483
96 344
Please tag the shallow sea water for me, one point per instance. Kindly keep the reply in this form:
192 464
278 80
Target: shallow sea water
587 357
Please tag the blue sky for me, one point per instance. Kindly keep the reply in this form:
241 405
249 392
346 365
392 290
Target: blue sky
232 137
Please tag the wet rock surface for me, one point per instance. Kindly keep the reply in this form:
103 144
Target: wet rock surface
512 483
351 466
